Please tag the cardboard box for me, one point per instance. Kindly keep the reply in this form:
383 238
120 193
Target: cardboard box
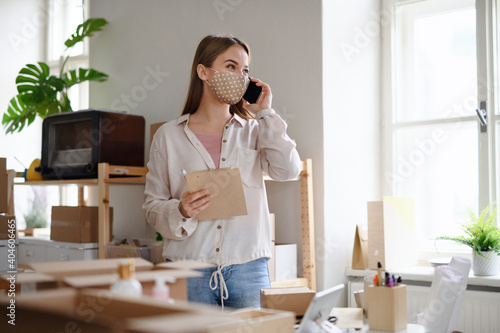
152 130
294 299
392 236
263 320
244 320
70 310
90 310
26 282
5 186
184 265
387 308
76 224
178 288
86 267
285 261
6 222
157 252
128 251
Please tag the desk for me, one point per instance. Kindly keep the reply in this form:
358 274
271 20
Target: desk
411 328
353 317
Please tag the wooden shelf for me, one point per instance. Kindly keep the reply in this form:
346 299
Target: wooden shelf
307 207
130 180
59 182
308 238
107 174
85 182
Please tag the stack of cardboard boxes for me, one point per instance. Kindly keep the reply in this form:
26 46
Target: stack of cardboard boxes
8 230
76 293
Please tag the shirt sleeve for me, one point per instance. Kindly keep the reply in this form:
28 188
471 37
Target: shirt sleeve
162 211
279 157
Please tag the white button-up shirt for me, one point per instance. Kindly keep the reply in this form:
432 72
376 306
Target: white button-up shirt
256 146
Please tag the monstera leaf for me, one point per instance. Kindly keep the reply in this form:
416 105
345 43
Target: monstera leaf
42 94
86 29
35 85
18 113
80 75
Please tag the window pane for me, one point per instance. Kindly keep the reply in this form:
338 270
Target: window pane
436 164
437 62
65 16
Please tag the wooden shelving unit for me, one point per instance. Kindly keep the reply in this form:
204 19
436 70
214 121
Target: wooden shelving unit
116 174
307 206
107 174
104 172
308 242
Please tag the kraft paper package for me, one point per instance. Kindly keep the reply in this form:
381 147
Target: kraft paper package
360 249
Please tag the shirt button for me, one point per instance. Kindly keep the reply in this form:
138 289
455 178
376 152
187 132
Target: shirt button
223 159
183 220
218 227
217 250
224 140
227 127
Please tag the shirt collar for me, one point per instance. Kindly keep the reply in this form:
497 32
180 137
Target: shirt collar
185 117
239 119
182 118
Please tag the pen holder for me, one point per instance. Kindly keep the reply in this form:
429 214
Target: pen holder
387 308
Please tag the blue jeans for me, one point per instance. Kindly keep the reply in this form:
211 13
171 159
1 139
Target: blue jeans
243 283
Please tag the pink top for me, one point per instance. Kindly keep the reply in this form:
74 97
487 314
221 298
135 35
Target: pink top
212 143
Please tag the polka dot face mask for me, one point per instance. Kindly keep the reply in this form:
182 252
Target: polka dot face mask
229 87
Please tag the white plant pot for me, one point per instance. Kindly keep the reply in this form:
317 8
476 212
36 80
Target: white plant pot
481 266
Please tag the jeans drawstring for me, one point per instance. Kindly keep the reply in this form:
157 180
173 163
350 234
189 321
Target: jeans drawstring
224 294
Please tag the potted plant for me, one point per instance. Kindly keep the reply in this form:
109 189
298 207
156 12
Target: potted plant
42 94
483 237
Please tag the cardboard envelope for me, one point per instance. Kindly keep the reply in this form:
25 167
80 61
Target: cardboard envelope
227 189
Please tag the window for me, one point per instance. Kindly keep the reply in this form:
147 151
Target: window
64 17
436 69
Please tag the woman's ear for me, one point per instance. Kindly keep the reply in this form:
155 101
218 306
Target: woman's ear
202 72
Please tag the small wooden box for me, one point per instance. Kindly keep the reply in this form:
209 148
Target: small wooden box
387 308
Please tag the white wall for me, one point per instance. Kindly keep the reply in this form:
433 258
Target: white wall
285 41
351 107
22 25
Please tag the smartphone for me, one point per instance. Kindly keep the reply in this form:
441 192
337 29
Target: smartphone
252 93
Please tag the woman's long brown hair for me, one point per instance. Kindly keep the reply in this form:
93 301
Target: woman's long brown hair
208 50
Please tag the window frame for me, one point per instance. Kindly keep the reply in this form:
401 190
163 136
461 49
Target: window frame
488 158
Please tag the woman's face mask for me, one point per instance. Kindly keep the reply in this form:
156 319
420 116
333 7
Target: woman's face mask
229 87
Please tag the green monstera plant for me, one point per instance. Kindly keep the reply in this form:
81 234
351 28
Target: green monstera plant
42 94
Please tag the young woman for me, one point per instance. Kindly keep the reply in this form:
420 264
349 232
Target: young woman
217 129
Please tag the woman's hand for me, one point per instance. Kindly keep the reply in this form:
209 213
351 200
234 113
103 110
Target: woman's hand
193 203
265 99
